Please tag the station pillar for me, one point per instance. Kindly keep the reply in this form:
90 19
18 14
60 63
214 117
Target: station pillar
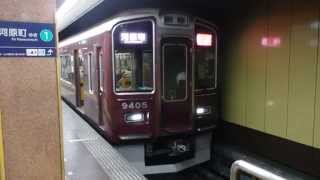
29 95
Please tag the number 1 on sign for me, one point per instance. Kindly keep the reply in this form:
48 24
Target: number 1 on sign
46 34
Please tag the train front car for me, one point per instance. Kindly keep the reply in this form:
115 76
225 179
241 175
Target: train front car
148 80
164 90
134 94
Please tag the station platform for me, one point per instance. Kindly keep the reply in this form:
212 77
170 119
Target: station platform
88 156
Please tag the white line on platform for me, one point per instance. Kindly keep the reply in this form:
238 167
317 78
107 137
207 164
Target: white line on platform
81 140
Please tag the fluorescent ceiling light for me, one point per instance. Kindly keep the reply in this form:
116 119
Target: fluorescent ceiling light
65 7
71 10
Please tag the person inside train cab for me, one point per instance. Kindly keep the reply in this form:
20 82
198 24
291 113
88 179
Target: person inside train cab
181 83
124 82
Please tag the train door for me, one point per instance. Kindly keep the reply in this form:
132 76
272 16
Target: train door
92 76
176 85
99 89
79 78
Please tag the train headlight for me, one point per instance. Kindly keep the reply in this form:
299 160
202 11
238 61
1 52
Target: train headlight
204 110
134 117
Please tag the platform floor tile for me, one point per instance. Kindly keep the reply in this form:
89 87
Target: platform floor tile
88 156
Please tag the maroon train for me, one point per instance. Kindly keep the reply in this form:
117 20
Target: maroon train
149 76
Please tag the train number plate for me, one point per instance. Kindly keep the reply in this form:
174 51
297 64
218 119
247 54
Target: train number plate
134 105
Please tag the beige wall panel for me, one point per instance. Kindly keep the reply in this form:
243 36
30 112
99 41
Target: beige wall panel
302 73
2 164
29 103
235 68
30 10
257 60
280 81
278 67
317 107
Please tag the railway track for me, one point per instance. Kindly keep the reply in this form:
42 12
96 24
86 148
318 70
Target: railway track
200 172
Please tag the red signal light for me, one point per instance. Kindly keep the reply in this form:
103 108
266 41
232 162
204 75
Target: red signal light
204 39
271 41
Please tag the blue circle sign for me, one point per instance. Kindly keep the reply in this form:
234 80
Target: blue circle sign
46 35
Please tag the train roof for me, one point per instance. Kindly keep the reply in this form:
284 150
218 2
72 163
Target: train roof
109 23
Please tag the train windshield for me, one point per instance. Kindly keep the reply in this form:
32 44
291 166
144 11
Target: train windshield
133 57
206 59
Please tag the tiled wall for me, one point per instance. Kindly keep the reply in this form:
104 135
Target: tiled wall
272 69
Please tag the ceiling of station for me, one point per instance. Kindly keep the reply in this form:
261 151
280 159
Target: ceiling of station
72 10
214 10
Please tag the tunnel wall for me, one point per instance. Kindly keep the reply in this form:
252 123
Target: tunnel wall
271 69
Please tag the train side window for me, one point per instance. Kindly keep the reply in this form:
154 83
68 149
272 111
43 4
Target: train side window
133 56
72 63
89 71
205 58
101 70
67 69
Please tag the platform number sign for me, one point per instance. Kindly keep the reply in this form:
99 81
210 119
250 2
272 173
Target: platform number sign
23 39
46 35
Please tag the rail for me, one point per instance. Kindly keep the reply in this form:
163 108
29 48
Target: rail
255 171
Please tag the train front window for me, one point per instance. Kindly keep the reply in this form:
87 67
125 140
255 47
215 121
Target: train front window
174 66
205 59
133 57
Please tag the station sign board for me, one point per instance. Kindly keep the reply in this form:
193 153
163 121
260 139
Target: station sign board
23 39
